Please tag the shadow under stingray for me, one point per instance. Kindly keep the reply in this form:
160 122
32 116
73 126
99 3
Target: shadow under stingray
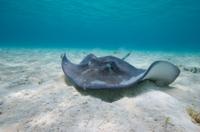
111 95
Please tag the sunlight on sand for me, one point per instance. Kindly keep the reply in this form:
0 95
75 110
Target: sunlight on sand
34 95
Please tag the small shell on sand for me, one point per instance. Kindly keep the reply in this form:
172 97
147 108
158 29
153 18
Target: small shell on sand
194 115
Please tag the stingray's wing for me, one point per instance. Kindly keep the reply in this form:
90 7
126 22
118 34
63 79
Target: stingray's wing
71 71
162 72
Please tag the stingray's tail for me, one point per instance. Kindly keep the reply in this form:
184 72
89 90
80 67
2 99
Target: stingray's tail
126 56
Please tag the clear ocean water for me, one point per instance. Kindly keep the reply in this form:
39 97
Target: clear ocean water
108 24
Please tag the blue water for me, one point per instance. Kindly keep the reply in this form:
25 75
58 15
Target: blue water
136 24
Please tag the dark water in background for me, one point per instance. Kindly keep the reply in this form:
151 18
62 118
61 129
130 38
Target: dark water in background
136 24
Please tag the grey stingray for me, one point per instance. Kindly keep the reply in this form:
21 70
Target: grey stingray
110 72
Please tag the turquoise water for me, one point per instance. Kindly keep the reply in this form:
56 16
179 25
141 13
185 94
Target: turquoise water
132 24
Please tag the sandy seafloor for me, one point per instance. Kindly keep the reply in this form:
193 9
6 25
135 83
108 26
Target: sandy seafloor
34 95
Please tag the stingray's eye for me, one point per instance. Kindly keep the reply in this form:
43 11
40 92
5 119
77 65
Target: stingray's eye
89 63
93 62
111 66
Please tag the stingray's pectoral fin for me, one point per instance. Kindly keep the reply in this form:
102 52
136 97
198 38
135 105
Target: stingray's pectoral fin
64 57
162 73
65 60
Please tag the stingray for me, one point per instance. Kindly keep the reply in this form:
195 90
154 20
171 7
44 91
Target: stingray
109 72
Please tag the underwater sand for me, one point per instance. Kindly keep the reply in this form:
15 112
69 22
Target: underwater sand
34 95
